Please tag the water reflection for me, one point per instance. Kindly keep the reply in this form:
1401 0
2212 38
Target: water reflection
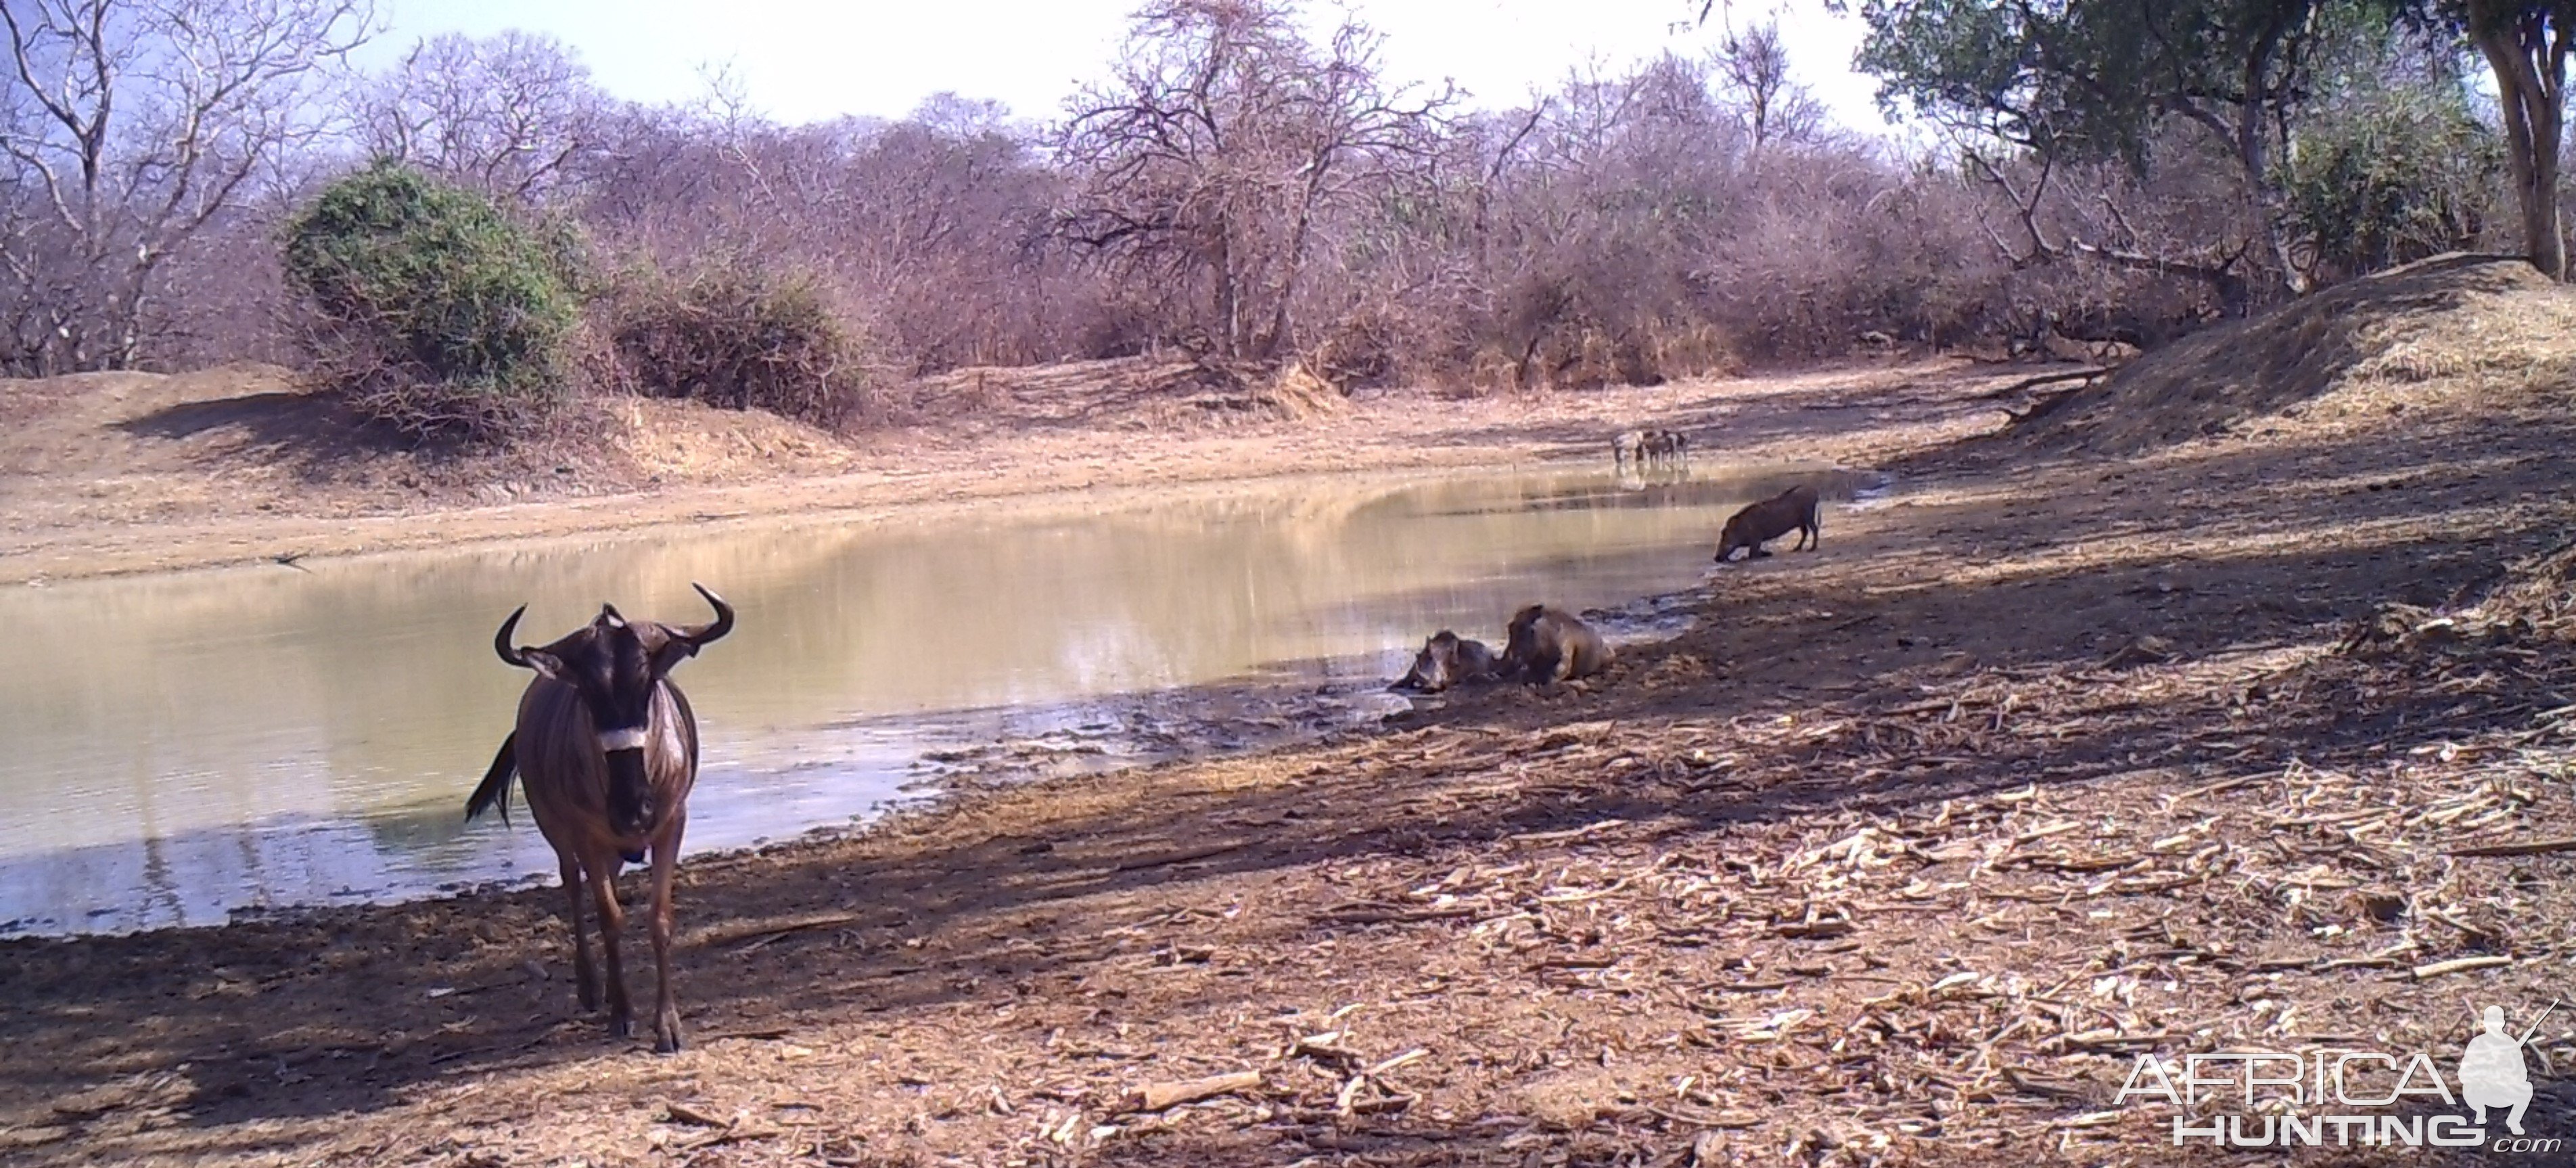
183 745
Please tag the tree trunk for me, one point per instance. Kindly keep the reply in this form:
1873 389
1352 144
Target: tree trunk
2542 229
2530 63
2262 186
1228 311
1283 338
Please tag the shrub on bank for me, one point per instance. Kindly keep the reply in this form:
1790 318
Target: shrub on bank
740 337
433 310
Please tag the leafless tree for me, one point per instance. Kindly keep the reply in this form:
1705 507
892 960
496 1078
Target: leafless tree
509 115
925 228
2160 225
1753 67
129 126
1226 146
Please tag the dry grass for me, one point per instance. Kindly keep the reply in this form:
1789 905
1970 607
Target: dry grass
2437 333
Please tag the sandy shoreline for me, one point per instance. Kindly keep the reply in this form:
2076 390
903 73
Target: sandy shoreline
225 515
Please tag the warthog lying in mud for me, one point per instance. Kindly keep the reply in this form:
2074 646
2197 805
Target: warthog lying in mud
1550 645
1759 523
1448 659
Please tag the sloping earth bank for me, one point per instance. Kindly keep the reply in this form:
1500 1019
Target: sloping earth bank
1902 856
127 472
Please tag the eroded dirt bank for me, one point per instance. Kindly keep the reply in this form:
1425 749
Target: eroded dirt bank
113 473
1901 857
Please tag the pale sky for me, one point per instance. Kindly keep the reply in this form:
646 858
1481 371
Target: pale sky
810 60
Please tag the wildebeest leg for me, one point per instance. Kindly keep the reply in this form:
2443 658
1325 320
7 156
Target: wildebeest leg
666 1010
612 920
585 979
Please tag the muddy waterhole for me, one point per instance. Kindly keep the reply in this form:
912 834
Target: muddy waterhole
182 748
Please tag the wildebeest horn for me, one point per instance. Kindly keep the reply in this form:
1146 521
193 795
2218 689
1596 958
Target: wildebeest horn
723 623
501 641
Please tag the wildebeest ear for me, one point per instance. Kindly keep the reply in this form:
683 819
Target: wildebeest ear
545 663
552 665
674 649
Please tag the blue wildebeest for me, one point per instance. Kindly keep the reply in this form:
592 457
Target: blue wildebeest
606 751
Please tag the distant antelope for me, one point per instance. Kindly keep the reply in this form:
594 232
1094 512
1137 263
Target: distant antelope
606 750
1629 449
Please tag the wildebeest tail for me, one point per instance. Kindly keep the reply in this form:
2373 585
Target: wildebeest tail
494 790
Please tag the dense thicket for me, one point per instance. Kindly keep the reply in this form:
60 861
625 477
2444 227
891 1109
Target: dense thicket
437 311
1242 186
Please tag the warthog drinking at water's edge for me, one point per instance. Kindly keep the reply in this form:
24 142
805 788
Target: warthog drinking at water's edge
606 750
1758 523
1448 659
1550 645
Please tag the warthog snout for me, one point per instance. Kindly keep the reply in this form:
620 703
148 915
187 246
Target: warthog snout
1448 659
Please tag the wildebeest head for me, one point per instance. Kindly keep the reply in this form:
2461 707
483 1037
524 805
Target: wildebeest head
615 665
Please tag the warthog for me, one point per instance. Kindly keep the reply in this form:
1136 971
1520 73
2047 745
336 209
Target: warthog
1550 645
1758 523
1448 659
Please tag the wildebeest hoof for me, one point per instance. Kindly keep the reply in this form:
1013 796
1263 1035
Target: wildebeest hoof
633 857
621 1027
668 1041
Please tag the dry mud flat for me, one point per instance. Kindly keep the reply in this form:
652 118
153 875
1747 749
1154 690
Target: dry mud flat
1902 856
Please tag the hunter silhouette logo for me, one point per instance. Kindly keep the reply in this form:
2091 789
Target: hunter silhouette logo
2492 1073
2349 1098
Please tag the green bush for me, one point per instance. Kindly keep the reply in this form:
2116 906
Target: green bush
739 337
2391 175
435 311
